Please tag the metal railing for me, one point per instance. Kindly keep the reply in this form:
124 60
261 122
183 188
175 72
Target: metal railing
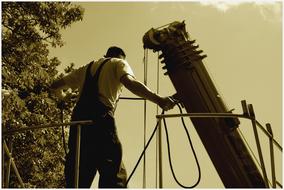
11 161
248 114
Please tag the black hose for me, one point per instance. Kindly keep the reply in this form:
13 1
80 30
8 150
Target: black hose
169 153
142 154
192 148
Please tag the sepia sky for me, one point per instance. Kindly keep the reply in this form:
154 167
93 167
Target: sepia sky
243 42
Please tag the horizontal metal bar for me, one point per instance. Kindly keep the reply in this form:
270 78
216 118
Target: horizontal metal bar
204 115
220 115
224 115
45 126
131 98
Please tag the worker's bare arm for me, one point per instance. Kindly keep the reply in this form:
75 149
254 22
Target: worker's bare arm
57 87
58 84
139 89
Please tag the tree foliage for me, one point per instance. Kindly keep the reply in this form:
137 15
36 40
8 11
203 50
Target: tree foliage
29 29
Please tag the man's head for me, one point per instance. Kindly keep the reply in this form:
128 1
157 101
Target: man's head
114 51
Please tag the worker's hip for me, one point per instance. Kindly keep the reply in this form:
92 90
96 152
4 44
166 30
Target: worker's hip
94 110
100 150
103 130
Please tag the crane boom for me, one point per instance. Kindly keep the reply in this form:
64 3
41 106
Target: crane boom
196 90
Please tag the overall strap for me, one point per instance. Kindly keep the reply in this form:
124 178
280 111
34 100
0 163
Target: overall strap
96 77
97 74
89 105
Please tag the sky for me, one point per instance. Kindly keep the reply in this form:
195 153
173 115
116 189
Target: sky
243 42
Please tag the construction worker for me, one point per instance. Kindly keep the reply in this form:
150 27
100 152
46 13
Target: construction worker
100 84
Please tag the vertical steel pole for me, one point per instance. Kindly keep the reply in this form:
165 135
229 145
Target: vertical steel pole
145 115
252 114
160 154
269 129
77 158
157 161
157 112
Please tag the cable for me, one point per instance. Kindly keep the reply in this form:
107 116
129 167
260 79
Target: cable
169 153
192 148
143 152
250 149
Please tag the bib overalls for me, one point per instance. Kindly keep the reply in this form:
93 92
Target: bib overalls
100 147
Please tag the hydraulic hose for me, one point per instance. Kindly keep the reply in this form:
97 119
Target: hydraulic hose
169 153
192 148
144 150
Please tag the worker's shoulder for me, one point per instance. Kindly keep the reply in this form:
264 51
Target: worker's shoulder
113 62
119 62
114 59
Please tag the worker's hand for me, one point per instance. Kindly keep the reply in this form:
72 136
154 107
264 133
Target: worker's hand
60 94
166 103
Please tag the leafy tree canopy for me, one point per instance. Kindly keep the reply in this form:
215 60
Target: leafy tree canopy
28 30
